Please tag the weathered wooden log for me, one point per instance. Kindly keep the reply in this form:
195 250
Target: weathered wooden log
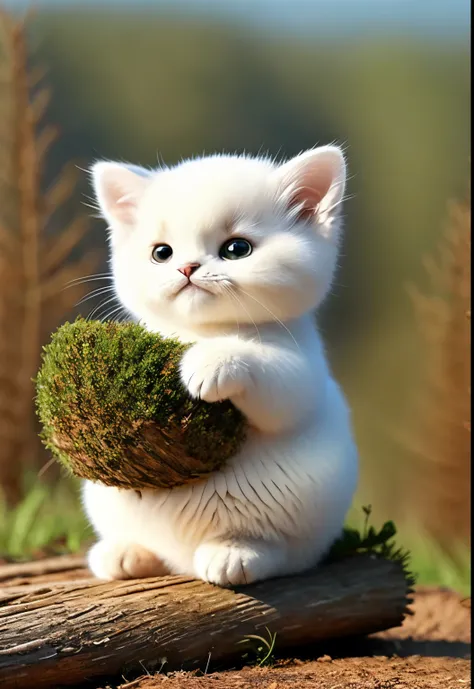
68 632
32 571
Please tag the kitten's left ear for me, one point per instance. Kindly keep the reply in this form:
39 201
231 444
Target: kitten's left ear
312 184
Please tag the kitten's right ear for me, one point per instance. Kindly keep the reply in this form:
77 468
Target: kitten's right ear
118 189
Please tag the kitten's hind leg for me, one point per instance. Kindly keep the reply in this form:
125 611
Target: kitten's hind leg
234 562
110 560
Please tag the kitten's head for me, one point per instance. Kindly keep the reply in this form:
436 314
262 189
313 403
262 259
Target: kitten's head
224 239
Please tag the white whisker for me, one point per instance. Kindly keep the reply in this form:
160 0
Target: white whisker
248 313
276 319
95 293
102 304
88 278
226 288
119 310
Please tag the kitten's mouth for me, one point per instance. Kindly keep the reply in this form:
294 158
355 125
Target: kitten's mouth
191 286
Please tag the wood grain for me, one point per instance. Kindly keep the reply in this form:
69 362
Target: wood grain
67 632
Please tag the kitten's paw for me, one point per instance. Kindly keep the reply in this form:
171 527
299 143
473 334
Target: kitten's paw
108 560
233 563
212 373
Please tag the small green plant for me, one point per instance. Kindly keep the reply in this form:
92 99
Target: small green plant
371 542
262 648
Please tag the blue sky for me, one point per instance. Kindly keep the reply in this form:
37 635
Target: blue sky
318 17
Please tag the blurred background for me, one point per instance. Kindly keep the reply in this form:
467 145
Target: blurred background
137 81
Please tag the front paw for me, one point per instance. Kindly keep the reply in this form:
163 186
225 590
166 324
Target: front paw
212 373
109 560
234 562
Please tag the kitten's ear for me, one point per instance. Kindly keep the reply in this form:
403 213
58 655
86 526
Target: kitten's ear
118 189
312 184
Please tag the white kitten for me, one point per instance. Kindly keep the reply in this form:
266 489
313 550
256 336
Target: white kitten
234 254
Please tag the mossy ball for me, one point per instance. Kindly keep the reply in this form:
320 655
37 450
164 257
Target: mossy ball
113 409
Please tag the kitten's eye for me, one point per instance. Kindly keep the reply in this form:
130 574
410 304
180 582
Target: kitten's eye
161 253
234 249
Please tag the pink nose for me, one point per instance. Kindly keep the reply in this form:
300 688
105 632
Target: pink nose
189 269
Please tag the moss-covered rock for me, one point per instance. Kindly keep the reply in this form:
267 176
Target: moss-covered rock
113 409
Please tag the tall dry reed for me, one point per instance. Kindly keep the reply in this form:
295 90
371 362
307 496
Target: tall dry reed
35 262
442 443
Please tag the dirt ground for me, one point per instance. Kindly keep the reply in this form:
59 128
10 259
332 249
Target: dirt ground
430 650
366 673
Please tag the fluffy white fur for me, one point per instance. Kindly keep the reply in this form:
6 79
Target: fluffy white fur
278 505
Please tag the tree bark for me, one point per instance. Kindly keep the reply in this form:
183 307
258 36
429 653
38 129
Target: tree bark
33 571
71 631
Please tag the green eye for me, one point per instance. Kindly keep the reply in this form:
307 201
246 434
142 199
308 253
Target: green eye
234 249
161 253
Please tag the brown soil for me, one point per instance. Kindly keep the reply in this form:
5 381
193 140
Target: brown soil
352 673
430 650
349 673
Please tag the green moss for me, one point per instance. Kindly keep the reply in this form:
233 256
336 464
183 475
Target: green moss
113 408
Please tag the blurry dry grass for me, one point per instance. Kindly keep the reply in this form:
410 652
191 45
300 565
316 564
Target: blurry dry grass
35 262
441 473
